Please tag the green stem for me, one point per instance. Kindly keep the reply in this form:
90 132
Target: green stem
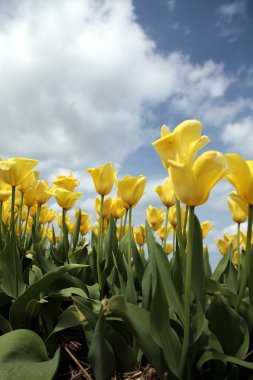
174 241
13 241
179 229
185 224
129 236
20 215
239 245
100 234
65 234
246 260
26 222
187 294
120 228
13 210
125 220
165 228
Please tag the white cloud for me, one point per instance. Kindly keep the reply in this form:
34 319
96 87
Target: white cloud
238 137
230 17
79 81
171 5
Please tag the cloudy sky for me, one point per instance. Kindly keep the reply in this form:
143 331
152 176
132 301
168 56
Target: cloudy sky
83 82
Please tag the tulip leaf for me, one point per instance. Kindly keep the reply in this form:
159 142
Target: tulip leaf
157 257
207 266
230 278
147 287
214 355
138 320
23 355
130 288
226 324
161 329
11 269
221 267
4 325
17 311
77 229
138 264
198 270
101 354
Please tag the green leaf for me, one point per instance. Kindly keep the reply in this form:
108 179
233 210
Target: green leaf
4 325
147 288
17 311
138 264
138 321
101 354
214 355
207 266
221 267
77 229
23 355
159 259
198 270
230 278
11 269
130 288
226 324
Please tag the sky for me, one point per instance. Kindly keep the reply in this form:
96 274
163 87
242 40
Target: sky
83 82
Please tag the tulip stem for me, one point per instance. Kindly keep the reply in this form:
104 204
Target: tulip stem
125 220
26 222
100 234
179 228
246 260
129 236
165 228
187 294
65 234
185 224
20 216
238 245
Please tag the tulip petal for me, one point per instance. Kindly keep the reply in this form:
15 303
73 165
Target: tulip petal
184 182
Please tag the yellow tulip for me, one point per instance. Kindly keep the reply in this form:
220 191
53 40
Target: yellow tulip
5 191
85 227
106 207
140 235
193 184
42 192
166 192
71 227
66 182
155 217
161 231
103 178
181 145
241 176
238 208
30 198
169 248
14 170
206 227
223 245
47 215
65 198
29 181
172 216
244 239
84 216
59 219
131 189
117 208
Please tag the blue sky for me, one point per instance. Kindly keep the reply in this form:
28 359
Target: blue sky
89 81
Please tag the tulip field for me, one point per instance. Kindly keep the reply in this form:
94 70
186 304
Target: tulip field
113 300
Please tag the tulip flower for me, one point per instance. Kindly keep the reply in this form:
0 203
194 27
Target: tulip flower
205 227
65 198
181 145
103 178
117 208
66 182
166 192
14 170
131 189
161 232
140 235
193 184
155 217
42 191
172 216
85 227
238 208
106 212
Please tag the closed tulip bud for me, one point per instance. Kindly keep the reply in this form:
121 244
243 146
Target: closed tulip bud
71 227
140 235
14 170
30 198
33 210
155 217
66 182
238 208
117 208
85 227
161 231
172 216
181 145
131 189
205 227
42 192
5 191
166 192
103 178
192 184
169 248
106 207
65 198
